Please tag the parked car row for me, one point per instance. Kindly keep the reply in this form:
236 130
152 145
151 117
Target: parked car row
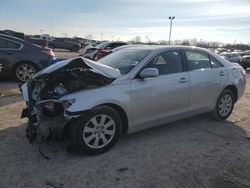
101 50
237 56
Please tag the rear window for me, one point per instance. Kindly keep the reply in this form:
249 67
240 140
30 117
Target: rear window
215 63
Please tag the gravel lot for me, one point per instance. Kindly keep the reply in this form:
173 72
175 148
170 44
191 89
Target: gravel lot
197 152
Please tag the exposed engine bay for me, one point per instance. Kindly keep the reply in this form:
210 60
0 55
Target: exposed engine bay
74 77
44 109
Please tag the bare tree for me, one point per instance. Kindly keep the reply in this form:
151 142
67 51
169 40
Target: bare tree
137 39
89 36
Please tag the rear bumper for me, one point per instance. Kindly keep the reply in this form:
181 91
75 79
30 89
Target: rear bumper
241 86
45 63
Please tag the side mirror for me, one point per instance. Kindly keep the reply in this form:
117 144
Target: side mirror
149 73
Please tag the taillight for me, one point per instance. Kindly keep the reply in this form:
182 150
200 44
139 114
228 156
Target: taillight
243 72
48 52
104 50
52 108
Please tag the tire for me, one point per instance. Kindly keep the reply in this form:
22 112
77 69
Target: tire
244 67
24 71
224 105
87 133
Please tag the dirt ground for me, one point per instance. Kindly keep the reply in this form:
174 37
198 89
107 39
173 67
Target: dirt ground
197 152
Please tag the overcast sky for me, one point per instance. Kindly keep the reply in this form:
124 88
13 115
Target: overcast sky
211 20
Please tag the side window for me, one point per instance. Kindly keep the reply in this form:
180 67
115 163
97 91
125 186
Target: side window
9 44
197 60
3 43
215 63
13 45
167 62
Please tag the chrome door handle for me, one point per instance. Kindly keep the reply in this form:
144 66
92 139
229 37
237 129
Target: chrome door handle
183 80
222 73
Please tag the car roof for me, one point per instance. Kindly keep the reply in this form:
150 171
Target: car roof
162 47
11 37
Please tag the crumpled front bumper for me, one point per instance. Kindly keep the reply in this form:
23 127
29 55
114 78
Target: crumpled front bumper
28 112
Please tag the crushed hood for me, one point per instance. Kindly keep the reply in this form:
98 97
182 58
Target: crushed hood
96 67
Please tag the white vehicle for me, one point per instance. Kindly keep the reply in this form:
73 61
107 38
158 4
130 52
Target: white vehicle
232 57
91 103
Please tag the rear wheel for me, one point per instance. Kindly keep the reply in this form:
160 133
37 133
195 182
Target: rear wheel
224 105
24 71
95 132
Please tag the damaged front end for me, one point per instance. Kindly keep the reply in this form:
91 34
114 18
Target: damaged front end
45 109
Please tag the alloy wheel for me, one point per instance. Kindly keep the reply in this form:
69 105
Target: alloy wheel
225 105
99 131
24 72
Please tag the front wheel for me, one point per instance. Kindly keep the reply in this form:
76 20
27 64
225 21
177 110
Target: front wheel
224 105
95 132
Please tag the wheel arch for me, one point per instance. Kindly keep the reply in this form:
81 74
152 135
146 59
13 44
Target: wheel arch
234 89
122 114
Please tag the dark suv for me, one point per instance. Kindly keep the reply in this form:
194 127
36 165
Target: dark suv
21 58
65 43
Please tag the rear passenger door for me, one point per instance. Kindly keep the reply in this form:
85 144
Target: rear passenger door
207 76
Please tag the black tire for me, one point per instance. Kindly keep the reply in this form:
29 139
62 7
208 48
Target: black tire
218 111
76 140
244 67
16 71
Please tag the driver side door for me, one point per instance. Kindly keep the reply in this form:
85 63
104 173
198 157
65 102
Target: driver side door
154 100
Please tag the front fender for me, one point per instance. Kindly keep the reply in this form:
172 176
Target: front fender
88 99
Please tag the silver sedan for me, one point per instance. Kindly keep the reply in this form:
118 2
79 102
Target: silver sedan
91 104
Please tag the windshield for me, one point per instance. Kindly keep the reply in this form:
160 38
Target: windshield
124 60
102 45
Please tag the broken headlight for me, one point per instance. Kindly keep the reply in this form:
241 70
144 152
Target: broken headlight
68 103
52 108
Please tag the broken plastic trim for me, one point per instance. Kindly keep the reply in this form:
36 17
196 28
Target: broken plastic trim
68 113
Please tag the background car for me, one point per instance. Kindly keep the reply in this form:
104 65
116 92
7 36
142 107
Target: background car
22 59
245 62
232 57
104 47
102 53
65 43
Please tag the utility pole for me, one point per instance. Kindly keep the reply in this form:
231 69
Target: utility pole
171 20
